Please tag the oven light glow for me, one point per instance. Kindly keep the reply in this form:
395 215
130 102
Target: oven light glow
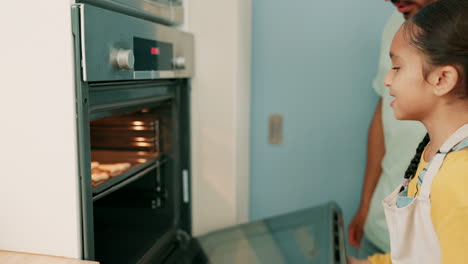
139 139
142 144
142 160
137 123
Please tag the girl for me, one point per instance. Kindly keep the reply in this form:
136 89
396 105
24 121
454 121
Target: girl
427 214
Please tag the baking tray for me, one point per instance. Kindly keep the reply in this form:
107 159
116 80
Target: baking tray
139 161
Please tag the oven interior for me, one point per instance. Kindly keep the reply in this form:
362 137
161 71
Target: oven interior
124 145
133 207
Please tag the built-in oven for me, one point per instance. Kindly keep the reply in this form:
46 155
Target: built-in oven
132 92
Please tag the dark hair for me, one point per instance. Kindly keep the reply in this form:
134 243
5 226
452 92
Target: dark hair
411 170
440 32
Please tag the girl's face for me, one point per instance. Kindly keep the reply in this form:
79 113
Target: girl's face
413 95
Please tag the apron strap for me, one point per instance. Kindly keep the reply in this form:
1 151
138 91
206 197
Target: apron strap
438 159
454 139
462 145
436 163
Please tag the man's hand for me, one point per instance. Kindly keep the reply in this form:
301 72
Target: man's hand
352 260
356 229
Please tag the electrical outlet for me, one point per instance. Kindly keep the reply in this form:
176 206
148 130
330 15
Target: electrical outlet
275 129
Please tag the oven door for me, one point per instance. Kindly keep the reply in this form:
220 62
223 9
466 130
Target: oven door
309 236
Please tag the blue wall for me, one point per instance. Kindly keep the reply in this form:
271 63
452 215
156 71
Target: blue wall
313 63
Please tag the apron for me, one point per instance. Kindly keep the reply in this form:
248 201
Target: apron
413 239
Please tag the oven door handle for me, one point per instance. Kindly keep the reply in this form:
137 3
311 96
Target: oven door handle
128 103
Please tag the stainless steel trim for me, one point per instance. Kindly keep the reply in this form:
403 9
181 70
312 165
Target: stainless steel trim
83 46
169 13
103 32
87 227
154 74
185 185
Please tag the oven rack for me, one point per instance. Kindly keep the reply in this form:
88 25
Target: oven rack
136 171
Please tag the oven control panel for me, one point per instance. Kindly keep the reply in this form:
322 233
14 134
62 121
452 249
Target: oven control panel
152 55
129 48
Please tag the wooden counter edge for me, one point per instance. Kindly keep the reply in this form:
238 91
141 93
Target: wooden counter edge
14 257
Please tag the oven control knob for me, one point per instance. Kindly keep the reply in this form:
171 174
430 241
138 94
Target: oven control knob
125 59
179 62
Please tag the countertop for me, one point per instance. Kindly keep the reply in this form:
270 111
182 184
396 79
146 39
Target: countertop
11 257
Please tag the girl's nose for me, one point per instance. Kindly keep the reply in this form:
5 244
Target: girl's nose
388 78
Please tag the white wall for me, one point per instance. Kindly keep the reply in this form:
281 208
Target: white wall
39 212
39 201
220 112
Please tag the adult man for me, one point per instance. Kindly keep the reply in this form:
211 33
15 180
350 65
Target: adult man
391 145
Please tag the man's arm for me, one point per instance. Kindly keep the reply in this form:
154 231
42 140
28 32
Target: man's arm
375 153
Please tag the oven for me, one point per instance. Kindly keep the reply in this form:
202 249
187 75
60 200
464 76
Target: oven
132 94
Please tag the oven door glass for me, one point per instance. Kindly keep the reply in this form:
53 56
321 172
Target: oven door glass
310 236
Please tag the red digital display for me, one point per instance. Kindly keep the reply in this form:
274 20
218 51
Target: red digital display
154 51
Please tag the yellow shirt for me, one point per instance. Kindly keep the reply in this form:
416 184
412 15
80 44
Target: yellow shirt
449 208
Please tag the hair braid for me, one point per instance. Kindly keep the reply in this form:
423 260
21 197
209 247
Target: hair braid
411 170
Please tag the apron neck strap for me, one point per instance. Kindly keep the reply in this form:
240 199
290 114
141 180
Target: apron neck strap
454 139
438 159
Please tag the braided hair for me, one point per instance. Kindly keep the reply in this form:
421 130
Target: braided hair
411 170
